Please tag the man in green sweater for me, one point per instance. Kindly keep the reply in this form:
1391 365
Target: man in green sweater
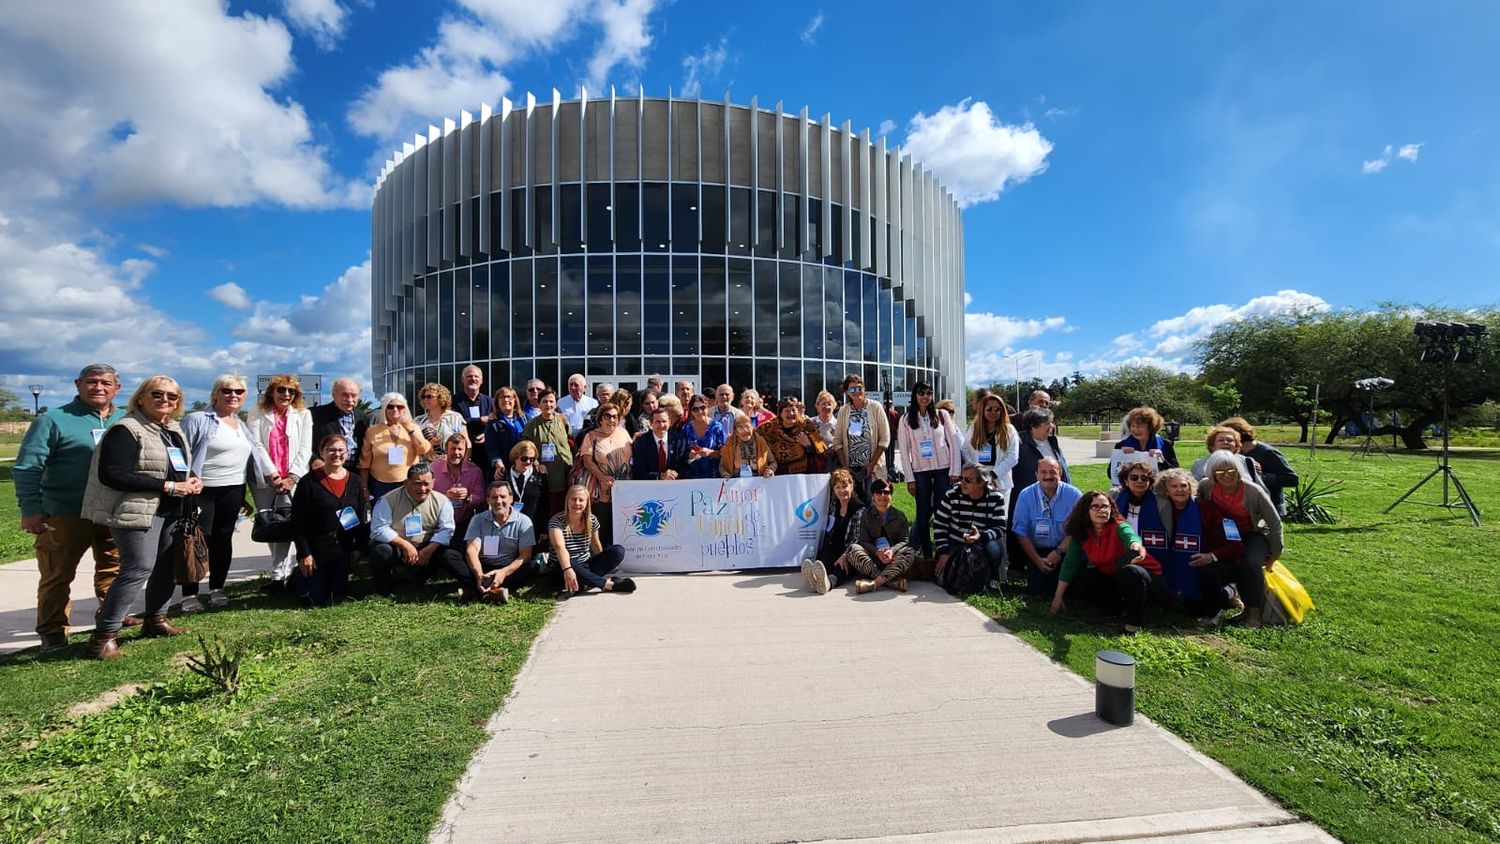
50 473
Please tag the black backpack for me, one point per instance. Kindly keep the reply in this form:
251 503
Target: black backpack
967 572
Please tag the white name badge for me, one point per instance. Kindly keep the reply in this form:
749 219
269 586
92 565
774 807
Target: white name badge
856 428
986 453
396 455
1231 530
98 434
175 456
489 546
348 519
411 525
549 452
473 412
745 471
925 449
1043 529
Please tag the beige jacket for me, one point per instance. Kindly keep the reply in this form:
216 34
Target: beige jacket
131 510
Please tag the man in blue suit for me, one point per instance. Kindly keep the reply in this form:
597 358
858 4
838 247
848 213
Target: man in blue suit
659 454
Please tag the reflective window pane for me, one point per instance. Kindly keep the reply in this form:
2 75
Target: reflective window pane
627 210
430 313
628 305
833 313
600 325
600 218
546 307
657 307
572 322
712 313
791 218
463 343
685 211
790 287
765 224
713 219
543 243
812 311
765 377
479 301
741 308
500 311
765 308
523 292
869 298
655 218
740 221
571 218
685 305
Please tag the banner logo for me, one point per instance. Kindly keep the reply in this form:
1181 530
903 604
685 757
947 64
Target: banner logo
807 514
651 517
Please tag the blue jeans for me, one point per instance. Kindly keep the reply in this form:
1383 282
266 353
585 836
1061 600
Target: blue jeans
930 488
591 572
141 561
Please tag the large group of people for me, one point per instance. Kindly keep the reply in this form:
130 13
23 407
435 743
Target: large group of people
498 490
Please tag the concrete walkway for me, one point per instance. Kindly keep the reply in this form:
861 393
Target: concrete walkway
18 591
724 707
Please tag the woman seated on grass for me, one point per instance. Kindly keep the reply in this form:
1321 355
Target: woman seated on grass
582 559
1107 563
1242 535
1183 520
831 566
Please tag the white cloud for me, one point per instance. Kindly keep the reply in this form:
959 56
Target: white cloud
320 20
150 249
810 32
625 38
1172 343
1406 152
230 295
466 64
990 340
976 155
886 127
706 64
142 101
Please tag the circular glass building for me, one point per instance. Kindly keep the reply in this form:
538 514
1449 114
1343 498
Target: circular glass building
626 237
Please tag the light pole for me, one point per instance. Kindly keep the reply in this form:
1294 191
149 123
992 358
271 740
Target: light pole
36 399
1018 358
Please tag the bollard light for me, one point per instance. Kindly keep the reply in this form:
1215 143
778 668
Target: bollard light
1114 687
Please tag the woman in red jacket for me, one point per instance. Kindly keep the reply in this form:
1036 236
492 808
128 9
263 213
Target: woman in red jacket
1107 563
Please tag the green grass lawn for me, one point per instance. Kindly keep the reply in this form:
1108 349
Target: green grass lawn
353 724
1377 719
15 544
1287 435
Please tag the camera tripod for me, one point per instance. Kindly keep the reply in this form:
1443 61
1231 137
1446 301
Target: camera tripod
1464 501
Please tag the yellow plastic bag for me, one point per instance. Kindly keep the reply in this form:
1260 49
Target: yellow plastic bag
1286 601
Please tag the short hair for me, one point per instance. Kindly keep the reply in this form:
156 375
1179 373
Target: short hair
788 401
1216 430
1174 474
417 469
1078 524
1137 461
668 402
522 447
330 438
662 408
345 380
444 397
840 476
1243 426
580 376
1147 415
683 383
852 379
459 435
155 382
546 391
1221 459
1035 393
465 370
98 369
395 397
881 485
1035 416
654 395
824 394
1049 461
496 486
974 466
284 379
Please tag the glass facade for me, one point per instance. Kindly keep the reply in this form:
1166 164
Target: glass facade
537 247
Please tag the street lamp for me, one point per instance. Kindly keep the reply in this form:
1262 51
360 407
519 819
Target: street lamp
1018 358
36 399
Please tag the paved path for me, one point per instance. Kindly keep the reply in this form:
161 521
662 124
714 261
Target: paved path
18 591
722 707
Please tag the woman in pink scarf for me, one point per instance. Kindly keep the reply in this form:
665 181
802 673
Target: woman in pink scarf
281 425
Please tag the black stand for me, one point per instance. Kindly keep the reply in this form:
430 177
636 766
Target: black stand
1370 445
1464 502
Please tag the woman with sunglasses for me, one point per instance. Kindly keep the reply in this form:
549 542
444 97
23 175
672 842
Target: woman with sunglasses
439 420
224 456
931 452
1106 563
993 442
504 429
391 446
704 438
604 454
528 487
332 521
137 481
1242 534
282 426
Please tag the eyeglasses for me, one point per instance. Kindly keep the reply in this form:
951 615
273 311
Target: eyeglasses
614 416
790 400
1138 477
288 391
1104 507
231 391
994 408
336 452
162 395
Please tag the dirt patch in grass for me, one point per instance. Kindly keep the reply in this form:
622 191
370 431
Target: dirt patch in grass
98 704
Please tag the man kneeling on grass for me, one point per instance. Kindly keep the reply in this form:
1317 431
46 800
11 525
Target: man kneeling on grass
497 549
409 527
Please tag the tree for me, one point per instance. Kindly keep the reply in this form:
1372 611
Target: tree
1173 394
1223 400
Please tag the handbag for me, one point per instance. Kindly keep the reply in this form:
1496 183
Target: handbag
1287 602
188 549
274 524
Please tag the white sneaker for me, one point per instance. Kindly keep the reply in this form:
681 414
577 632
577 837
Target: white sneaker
807 577
817 577
191 604
218 598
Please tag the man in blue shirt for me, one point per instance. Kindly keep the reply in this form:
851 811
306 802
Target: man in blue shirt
51 470
497 549
1041 510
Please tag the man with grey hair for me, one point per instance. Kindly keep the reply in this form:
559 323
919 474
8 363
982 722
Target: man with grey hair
340 416
412 528
577 404
50 472
471 402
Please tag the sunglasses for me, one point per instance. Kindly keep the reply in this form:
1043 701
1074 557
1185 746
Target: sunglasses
231 391
162 395
288 391
525 458
1225 472
1137 477
397 407
969 480
855 390
924 392
533 389
697 407
881 492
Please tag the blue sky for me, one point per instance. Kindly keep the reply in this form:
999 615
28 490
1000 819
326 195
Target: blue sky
186 183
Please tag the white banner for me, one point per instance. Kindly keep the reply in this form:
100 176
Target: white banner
734 523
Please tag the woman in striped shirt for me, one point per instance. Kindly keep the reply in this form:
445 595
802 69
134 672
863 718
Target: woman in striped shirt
581 556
